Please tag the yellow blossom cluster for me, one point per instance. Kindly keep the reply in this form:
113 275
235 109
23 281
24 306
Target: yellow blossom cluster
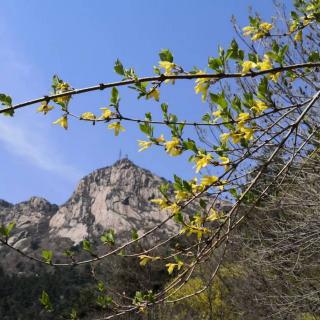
168 69
202 160
117 127
265 64
202 86
241 131
88 116
154 93
259 32
173 147
61 88
45 108
106 113
63 122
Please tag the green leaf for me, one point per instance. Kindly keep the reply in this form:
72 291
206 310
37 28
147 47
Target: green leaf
104 301
215 63
45 301
114 97
190 145
7 102
5 230
47 256
164 107
86 245
206 117
234 193
138 298
100 286
146 128
164 188
74 315
134 234
219 99
166 55
314 56
108 237
118 68
236 104
178 218
203 203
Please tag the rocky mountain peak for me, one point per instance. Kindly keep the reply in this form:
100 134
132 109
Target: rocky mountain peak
5 204
115 197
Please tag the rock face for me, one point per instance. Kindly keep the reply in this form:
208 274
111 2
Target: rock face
31 219
116 197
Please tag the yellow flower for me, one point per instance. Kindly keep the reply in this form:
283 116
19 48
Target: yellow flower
236 137
222 184
162 203
259 107
214 215
88 116
154 93
258 36
298 36
248 30
160 139
181 195
247 133
293 26
202 86
63 122
265 64
275 76
243 117
265 26
174 208
209 180
257 32
224 137
144 145
167 66
117 127
173 147
45 108
196 187
217 113
172 266
144 259
247 66
61 88
202 160
107 113
224 160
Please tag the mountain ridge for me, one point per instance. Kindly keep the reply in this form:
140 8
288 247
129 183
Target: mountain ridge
114 197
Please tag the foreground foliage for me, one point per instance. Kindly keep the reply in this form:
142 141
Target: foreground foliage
262 106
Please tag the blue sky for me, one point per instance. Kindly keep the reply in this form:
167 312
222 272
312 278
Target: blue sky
80 40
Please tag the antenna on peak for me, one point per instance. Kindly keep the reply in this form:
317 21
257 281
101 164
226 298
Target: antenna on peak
120 154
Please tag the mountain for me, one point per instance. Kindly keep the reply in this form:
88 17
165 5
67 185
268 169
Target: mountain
115 197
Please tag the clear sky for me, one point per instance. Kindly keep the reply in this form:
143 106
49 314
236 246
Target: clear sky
80 40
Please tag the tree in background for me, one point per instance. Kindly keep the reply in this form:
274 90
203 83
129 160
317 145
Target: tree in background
262 95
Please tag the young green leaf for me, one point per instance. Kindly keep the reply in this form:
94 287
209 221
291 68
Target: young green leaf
45 301
118 68
47 256
166 55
